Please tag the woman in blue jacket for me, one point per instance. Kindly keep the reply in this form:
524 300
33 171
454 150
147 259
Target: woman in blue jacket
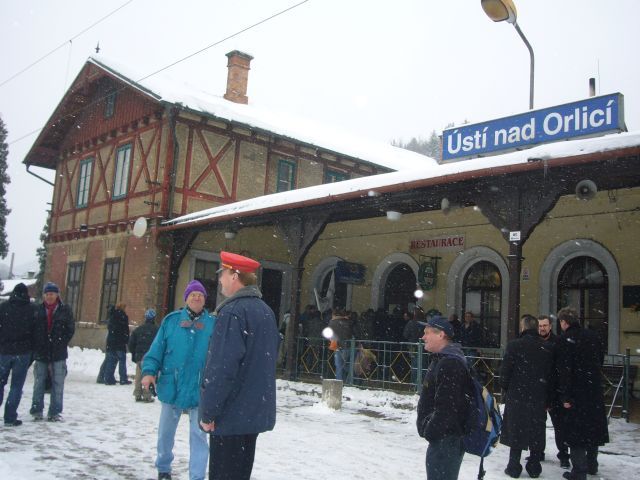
173 366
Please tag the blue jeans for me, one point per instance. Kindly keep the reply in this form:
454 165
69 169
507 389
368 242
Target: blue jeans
58 371
17 365
198 445
114 357
340 360
444 457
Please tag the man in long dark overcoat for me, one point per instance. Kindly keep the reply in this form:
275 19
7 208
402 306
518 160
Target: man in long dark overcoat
579 358
524 377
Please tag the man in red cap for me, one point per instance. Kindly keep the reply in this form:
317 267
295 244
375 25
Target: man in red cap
238 395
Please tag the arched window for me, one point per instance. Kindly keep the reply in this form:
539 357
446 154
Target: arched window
583 284
482 295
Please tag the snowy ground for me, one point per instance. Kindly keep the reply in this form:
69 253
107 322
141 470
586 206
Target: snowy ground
106 435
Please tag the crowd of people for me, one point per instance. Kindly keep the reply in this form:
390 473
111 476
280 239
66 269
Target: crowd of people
218 368
541 374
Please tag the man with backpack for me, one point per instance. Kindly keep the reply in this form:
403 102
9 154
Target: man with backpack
443 406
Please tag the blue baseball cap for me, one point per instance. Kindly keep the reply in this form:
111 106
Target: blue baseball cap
440 323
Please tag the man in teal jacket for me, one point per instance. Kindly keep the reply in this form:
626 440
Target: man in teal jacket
173 366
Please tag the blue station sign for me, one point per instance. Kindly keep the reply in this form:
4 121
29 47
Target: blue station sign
585 118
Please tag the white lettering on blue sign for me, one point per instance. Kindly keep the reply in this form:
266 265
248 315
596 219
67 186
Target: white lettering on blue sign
594 116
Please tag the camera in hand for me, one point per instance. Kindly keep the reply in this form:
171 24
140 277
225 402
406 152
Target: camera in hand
152 390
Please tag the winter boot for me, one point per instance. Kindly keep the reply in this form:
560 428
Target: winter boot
513 469
164 476
574 476
534 469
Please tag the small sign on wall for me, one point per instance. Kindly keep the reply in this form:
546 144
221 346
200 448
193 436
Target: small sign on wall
526 274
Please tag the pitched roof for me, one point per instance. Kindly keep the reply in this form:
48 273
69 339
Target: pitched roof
163 89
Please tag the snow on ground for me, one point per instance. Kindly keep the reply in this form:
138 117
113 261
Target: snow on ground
106 435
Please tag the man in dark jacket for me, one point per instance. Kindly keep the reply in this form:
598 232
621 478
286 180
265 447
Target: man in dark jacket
238 396
524 375
470 332
139 343
117 339
556 410
17 338
444 401
54 329
579 358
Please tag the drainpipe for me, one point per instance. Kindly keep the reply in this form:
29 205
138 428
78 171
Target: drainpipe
38 176
167 203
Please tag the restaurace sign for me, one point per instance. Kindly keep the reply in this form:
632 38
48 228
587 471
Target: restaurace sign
590 117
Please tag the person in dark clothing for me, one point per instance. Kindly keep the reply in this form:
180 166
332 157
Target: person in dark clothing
380 320
17 340
117 339
457 327
579 357
413 331
363 328
471 332
238 393
444 401
555 409
524 375
55 327
139 342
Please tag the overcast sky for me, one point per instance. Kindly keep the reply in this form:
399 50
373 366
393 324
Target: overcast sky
382 70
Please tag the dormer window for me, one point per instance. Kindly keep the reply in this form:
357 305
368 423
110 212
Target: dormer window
109 105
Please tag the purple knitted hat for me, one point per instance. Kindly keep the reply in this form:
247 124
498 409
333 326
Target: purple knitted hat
194 286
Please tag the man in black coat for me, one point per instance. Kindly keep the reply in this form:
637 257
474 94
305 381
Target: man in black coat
524 378
117 339
54 329
556 410
443 404
139 343
579 359
17 338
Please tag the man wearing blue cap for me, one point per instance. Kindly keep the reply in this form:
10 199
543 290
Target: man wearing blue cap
54 329
443 406
139 344
173 366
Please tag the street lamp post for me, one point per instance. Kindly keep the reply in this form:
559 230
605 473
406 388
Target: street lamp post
505 10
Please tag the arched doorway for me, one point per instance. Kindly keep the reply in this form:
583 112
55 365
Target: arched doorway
482 295
399 288
583 284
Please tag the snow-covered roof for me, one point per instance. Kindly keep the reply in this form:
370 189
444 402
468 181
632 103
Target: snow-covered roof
447 172
162 88
9 285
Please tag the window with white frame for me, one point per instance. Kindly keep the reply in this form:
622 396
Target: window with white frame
286 176
121 178
84 182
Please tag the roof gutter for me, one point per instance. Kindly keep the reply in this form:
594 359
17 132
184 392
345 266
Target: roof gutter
532 164
38 176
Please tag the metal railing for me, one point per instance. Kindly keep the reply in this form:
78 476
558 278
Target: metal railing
400 366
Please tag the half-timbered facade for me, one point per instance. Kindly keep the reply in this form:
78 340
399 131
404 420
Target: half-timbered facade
124 150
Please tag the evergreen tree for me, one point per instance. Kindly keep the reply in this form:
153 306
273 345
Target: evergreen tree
432 147
41 253
4 180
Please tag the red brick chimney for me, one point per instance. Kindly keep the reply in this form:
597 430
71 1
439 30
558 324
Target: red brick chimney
237 76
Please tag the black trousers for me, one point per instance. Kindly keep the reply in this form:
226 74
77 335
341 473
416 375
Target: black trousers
231 456
559 429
